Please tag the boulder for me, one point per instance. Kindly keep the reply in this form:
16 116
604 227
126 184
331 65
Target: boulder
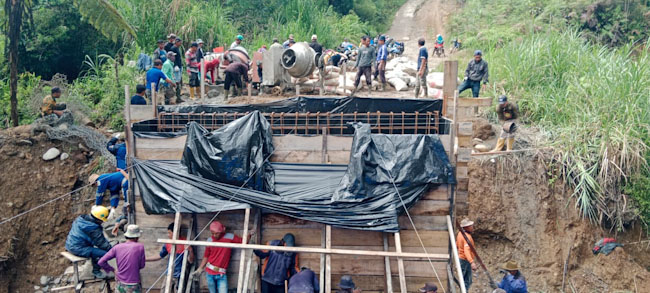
51 154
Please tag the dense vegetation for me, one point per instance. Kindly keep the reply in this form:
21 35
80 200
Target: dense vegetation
581 72
57 39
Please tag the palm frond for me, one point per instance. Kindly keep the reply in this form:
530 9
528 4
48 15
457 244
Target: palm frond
105 18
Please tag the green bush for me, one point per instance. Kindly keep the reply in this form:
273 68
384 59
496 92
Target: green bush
26 113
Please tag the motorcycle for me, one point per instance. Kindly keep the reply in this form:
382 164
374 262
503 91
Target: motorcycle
395 48
439 49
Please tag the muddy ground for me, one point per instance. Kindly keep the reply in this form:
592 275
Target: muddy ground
523 214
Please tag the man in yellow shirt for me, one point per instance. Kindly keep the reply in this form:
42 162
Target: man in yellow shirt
465 254
50 106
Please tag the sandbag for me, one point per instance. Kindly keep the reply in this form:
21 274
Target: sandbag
331 75
398 84
332 82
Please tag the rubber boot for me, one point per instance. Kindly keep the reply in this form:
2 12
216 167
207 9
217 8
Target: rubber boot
369 90
417 92
509 143
383 87
354 91
192 93
499 146
426 92
225 98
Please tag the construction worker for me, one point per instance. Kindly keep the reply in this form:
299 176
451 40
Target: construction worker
130 259
216 259
477 71
199 51
513 281
286 43
117 146
171 39
423 69
365 58
346 285
465 254
160 52
382 58
237 44
318 48
429 288
235 71
112 182
305 281
178 263
50 106
193 64
155 75
138 98
86 238
508 113
278 266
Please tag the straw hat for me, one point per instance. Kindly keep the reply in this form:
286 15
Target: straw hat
511 266
92 178
466 223
132 231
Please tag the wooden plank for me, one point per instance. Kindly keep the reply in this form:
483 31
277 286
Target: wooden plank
185 257
172 253
430 208
430 239
321 274
461 196
461 172
388 274
242 257
161 143
400 264
464 154
423 223
474 102
375 267
450 83
464 141
141 112
159 154
465 128
370 283
437 193
328 259
454 251
278 221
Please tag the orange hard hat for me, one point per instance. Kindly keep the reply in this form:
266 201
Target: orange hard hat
217 227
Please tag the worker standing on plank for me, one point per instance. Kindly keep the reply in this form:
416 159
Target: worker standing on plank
178 263
508 113
117 146
477 71
278 266
50 106
382 58
429 288
216 259
423 69
86 238
346 285
112 182
467 264
513 281
305 281
235 71
365 58
130 260
193 64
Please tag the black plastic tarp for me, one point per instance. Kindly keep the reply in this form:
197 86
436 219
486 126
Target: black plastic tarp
361 195
235 154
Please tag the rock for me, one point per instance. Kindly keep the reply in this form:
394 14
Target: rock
213 94
482 148
37 287
64 156
83 147
476 141
62 127
57 281
69 270
10 204
11 153
21 155
51 154
24 142
45 280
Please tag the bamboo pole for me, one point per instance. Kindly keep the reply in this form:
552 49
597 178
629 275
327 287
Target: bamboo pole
242 263
400 264
172 253
454 249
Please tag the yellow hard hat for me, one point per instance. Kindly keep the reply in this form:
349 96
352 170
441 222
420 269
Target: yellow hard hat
100 212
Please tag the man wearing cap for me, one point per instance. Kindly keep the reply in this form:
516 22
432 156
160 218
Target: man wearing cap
178 66
364 64
216 259
513 281
168 70
86 238
237 42
477 71
155 75
278 266
382 58
50 106
112 182
429 288
287 43
193 64
465 254
199 51
130 259
171 39
160 52
140 92
117 146
508 112
305 281
178 263
315 45
346 285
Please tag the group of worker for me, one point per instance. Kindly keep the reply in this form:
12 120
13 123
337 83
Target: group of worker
513 280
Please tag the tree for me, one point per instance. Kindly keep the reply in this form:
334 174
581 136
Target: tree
99 13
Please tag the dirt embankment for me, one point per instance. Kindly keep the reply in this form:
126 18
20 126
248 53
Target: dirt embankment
522 214
30 244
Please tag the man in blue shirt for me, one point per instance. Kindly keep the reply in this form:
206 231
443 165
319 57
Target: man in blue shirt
513 281
86 238
154 75
423 69
138 98
117 147
112 182
382 57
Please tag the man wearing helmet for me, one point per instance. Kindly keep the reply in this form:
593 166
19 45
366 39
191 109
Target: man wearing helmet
117 147
86 238
216 259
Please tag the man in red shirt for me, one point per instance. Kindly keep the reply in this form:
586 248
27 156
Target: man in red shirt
216 259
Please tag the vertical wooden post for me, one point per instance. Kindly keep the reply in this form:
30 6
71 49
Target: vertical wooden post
154 99
202 75
389 278
450 84
328 259
297 89
400 264
242 258
345 78
130 153
186 253
454 255
324 158
249 262
323 242
453 130
172 253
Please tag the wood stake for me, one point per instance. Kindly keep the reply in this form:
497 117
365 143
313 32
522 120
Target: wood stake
172 253
202 75
242 263
328 259
186 252
454 249
400 264
389 278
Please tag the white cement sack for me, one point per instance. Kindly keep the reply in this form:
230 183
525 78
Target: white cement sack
398 84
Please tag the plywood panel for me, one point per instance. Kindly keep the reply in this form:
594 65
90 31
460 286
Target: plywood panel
376 283
430 208
474 102
431 223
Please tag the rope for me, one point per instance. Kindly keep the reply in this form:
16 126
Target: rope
392 181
